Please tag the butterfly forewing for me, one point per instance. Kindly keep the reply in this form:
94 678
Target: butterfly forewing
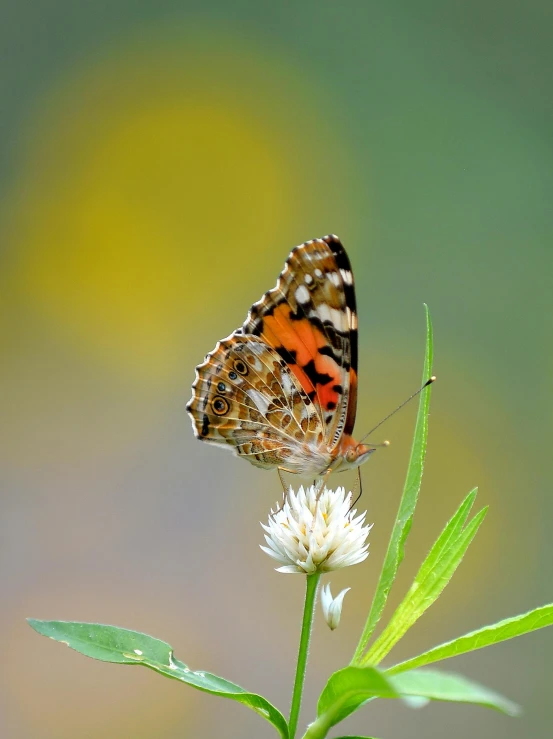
310 320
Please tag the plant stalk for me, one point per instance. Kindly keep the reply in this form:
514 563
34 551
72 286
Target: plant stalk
312 582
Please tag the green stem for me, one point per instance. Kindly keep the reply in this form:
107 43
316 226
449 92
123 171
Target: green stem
312 582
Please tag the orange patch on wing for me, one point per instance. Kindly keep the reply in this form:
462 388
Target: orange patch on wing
308 341
300 336
328 397
304 340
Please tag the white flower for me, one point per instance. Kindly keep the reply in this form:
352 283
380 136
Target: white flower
315 531
332 607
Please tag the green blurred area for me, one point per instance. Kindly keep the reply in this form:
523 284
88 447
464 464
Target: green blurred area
157 162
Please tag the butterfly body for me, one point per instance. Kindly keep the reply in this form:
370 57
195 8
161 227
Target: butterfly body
281 390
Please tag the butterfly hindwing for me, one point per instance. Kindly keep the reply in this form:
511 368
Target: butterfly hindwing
245 395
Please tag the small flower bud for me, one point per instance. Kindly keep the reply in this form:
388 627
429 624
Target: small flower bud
332 607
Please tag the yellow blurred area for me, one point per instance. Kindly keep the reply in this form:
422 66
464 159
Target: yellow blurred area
153 185
159 184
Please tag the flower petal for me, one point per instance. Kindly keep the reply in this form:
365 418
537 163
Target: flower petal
316 530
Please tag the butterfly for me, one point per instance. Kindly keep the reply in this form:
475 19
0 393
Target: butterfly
281 391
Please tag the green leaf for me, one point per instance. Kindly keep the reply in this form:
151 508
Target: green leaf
444 686
450 533
344 693
484 637
113 644
350 688
404 518
434 574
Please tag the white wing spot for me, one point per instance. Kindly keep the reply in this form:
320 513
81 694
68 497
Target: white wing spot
308 279
318 273
347 276
332 315
287 384
259 399
334 277
302 294
338 318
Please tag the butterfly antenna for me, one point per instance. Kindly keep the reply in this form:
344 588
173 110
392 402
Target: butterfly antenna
400 406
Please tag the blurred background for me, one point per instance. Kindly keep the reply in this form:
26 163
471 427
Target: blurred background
158 160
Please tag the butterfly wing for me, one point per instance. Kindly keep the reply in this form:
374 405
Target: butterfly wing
246 396
310 320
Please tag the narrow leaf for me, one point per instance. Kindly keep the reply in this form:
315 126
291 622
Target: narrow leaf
484 637
344 693
449 535
433 576
444 686
353 681
406 510
113 644
350 688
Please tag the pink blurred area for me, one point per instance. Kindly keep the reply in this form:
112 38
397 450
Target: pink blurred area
160 163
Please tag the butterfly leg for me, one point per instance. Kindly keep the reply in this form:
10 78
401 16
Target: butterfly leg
321 482
282 483
284 492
